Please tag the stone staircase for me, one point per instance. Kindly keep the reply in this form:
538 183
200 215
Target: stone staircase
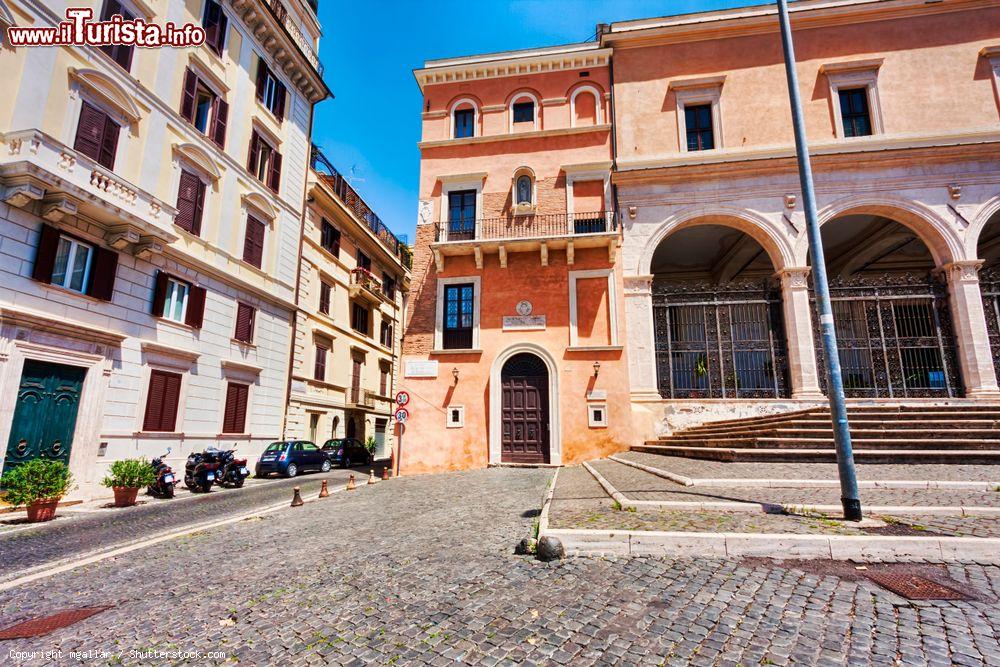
881 434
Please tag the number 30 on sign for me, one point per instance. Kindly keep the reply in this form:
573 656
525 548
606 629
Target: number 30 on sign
402 398
402 415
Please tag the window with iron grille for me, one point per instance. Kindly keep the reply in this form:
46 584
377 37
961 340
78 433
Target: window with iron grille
698 123
458 316
359 318
854 112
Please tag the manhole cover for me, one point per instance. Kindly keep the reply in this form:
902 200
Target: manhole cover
914 587
36 627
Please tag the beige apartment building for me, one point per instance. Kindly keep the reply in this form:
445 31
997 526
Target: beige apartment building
353 279
150 215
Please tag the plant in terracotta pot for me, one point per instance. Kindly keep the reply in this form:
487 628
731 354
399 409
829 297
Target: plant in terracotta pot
38 484
126 477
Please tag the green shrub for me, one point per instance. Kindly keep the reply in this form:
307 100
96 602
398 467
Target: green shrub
38 479
370 444
130 473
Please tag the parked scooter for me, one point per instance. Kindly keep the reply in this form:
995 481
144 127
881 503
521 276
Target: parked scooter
232 471
164 484
201 469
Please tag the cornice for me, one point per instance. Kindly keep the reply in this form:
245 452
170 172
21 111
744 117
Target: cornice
512 63
517 136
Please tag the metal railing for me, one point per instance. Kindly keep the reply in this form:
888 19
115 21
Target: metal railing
364 278
352 200
526 226
363 397
280 12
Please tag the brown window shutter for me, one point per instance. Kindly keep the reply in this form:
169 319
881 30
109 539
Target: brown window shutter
187 201
274 174
102 274
245 316
109 143
90 131
199 208
45 256
161 401
195 315
216 24
319 372
261 77
279 102
160 293
120 53
254 148
235 417
324 298
188 97
253 243
219 120
171 397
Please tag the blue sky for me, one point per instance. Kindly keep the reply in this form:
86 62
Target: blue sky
370 47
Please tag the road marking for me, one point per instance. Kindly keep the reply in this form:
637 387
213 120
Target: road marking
67 564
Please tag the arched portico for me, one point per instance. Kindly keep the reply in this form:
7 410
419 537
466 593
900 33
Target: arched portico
496 401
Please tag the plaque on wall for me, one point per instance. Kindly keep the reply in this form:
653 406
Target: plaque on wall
420 369
523 322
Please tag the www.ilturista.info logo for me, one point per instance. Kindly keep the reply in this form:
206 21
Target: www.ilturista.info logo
117 30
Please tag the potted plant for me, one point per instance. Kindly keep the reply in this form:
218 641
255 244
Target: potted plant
127 477
39 484
370 445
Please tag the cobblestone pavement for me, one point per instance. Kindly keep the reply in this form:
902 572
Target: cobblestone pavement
640 485
580 502
73 532
699 469
420 571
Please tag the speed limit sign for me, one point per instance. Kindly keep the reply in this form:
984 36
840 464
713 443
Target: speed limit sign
402 398
402 415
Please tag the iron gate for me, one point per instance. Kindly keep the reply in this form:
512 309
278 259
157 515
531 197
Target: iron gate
894 338
719 341
989 284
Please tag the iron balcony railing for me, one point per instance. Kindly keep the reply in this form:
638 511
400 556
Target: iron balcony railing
353 201
526 226
362 397
362 277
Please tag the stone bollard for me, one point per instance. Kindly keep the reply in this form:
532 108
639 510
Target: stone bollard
297 498
371 477
323 491
350 483
385 472
550 548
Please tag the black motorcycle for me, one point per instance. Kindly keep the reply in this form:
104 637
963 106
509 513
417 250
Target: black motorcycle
232 471
201 469
164 484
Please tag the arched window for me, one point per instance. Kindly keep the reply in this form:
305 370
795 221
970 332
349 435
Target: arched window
523 113
464 118
585 106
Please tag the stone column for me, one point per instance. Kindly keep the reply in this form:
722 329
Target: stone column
975 358
799 333
641 339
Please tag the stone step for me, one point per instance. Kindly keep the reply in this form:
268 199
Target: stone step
860 424
825 455
857 433
812 443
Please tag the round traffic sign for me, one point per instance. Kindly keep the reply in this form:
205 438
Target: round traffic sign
402 398
402 415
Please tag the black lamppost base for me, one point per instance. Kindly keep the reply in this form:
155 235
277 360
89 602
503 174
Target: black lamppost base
852 509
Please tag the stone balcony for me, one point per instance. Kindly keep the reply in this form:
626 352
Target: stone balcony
365 287
37 170
522 233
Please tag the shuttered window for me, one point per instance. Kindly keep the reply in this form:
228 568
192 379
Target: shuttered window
330 238
253 242
120 53
385 334
245 317
359 318
161 401
97 135
215 24
66 261
270 92
383 383
235 418
201 107
190 202
264 162
356 364
178 300
319 369
324 298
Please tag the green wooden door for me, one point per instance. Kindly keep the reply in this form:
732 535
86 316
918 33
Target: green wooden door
45 416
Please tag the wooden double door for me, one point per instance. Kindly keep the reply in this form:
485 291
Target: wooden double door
524 410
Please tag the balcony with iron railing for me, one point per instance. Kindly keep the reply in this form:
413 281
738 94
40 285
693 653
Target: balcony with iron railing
512 233
365 285
354 202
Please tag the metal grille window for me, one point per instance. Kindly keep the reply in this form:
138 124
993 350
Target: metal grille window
461 215
698 123
458 316
714 342
854 112
989 284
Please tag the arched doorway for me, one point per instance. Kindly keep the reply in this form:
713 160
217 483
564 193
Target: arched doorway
352 428
524 410
717 316
988 250
890 311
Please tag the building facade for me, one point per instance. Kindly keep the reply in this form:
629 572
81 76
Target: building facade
149 233
352 284
514 346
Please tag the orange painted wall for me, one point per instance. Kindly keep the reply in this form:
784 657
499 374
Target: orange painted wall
932 80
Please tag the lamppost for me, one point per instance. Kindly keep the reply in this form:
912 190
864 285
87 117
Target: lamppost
838 408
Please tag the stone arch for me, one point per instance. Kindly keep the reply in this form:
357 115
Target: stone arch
477 107
944 245
555 422
984 215
757 227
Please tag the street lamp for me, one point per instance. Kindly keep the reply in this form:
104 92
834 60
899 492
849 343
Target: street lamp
597 368
454 374
838 407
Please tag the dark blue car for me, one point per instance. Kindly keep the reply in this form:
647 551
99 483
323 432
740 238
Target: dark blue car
290 457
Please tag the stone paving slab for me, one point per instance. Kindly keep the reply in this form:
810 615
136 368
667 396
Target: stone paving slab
638 484
700 469
420 571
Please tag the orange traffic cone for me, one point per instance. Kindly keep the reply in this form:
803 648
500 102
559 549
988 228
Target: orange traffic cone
323 491
350 483
297 498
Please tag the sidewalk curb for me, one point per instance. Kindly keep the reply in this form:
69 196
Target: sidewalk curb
543 517
595 543
818 483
